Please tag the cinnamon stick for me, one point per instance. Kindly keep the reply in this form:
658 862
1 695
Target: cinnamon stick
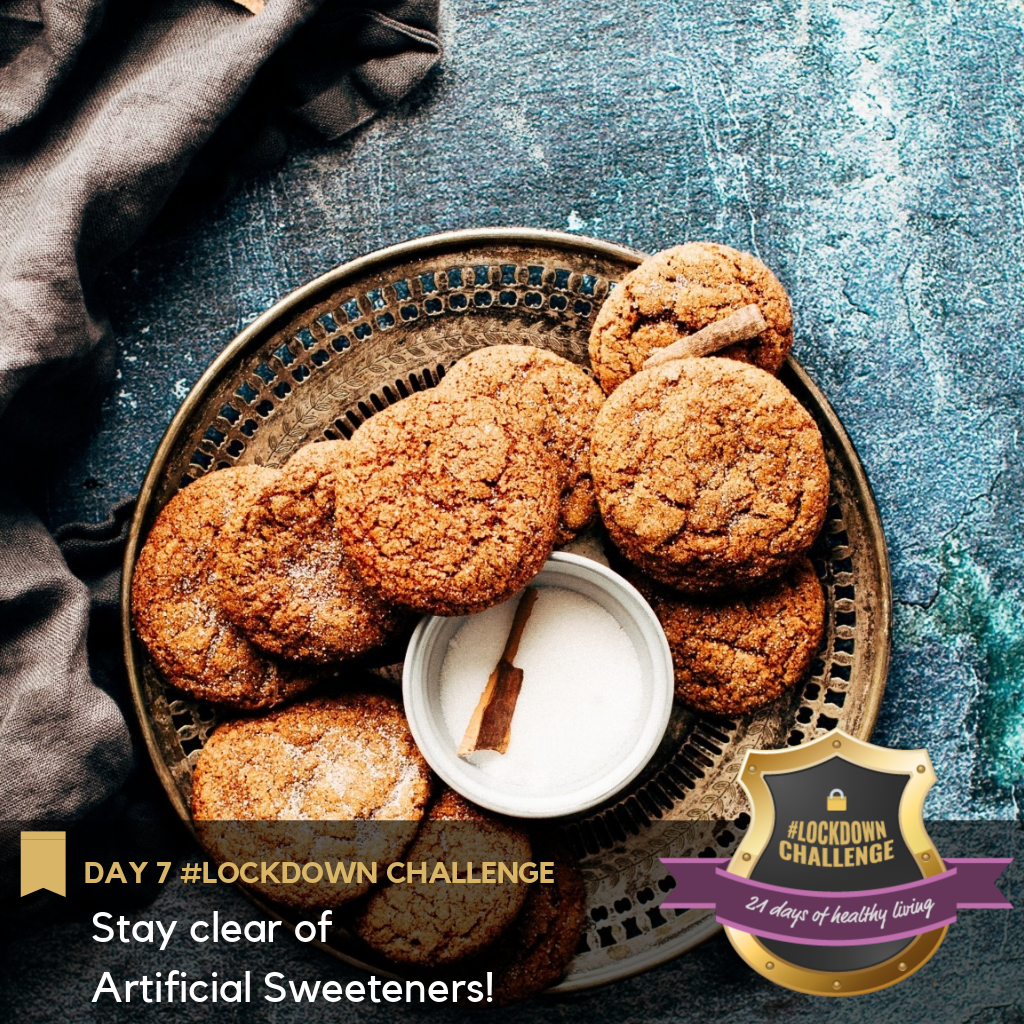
491 725
745 323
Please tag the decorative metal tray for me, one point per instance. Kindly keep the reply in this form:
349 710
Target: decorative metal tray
378 328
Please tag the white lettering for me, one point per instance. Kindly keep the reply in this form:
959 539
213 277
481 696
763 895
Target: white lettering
106 985
97 923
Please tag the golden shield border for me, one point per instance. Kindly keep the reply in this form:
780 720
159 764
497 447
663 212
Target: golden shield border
759 763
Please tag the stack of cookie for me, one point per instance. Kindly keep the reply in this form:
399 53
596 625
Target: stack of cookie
450 501
524 935
711 477
340 780
255 584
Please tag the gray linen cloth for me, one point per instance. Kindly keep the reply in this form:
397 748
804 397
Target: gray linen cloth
106 108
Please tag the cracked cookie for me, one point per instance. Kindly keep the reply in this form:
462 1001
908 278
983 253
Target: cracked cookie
445 504
541 943
552 398
677 292
709 474
329 779
734 655
285 579
175 604
426 924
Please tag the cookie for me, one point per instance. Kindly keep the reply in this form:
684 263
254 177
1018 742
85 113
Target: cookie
320 454
536 950
709 474
553 399
675 293
326 780
424 924
175 604
286 581
735 655
445 505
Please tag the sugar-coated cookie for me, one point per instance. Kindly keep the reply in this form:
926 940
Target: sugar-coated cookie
709 474
286 580
445 504
674 294
735 654
433 924
175 605
555 400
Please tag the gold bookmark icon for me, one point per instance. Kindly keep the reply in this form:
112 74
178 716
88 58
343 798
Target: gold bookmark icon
44 862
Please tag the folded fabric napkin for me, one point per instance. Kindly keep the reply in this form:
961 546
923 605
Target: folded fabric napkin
107 107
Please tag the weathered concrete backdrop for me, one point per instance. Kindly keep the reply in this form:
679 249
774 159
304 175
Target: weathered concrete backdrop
870 151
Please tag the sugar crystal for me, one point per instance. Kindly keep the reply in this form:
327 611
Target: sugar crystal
580 709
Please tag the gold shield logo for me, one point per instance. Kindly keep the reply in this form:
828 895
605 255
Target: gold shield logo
836 815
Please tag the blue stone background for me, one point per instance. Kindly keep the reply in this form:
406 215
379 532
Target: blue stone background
871 153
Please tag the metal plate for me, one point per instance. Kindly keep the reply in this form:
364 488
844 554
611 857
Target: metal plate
383 326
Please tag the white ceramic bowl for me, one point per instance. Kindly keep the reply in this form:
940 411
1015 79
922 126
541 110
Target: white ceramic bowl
421 679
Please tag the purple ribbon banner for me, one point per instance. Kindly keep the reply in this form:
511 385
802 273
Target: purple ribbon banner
836 918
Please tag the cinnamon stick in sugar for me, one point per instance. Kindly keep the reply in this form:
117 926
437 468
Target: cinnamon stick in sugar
491 725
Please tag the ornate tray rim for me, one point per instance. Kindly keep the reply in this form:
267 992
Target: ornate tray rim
331 280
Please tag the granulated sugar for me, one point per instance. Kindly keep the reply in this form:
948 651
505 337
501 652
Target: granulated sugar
580 708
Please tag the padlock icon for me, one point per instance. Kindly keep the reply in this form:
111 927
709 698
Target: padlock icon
837 800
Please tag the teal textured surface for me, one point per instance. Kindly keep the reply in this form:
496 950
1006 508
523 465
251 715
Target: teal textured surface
871 153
